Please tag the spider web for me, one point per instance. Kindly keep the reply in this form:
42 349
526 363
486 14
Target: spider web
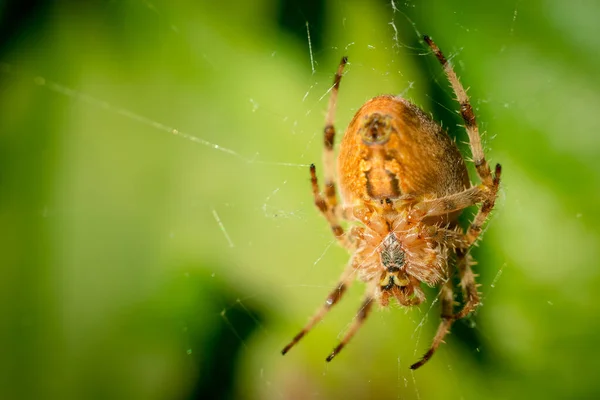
203 208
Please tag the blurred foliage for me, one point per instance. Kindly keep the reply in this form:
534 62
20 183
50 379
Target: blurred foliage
139 262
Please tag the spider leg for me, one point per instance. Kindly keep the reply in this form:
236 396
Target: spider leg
328 140
464 260
328 205
447 204
467 283
447 300
334 296
466 112
362 314
326 210
470 294
485 209
492 182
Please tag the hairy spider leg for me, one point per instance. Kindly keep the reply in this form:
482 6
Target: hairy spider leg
491 182
447 299
327 211
485 193
334 296
328 205
362 314
329 139
475 228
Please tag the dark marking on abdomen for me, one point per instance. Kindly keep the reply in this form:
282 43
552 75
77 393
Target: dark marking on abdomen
395 184
382 184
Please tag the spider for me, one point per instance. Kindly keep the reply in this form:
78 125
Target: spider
403 183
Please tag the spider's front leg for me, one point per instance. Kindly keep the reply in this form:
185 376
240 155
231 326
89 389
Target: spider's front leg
329 140
327 211
328 204
490 182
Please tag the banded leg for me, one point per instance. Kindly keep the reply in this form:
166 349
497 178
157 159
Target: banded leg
326 210
334 296
447 300
328 205
471 301
485 209
468 285
462 200
490 181
450 203
363 313
329 139
466 112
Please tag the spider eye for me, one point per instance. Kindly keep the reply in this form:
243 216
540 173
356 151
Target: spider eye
376 129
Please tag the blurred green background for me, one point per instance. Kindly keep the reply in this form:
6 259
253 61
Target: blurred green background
138 262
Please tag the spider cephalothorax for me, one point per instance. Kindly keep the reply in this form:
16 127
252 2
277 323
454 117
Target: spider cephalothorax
403 183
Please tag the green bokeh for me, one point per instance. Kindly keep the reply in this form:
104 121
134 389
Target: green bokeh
117 281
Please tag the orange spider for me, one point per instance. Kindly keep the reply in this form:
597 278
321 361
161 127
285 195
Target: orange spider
403 183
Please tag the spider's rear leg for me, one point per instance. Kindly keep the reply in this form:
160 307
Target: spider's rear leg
334 296
447 300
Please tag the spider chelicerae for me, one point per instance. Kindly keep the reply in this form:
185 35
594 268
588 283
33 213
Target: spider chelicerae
403 183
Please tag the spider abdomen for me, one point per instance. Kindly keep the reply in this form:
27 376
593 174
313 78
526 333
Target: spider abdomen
392 148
